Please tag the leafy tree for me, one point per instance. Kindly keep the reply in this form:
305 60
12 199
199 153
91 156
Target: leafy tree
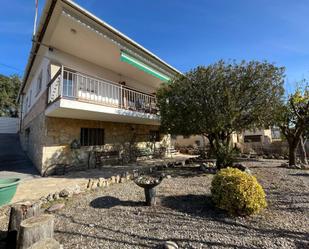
221 99
293 120
9 87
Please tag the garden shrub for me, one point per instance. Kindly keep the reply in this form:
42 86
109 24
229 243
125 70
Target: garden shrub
237 192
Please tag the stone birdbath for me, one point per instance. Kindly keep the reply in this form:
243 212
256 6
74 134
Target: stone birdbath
148 183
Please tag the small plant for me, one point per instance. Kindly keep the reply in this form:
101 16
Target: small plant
237 192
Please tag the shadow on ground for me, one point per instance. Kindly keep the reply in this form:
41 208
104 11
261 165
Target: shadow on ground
107 202
196 205
300 174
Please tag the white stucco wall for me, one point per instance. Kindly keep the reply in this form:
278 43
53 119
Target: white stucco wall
31 96
192 140
86 67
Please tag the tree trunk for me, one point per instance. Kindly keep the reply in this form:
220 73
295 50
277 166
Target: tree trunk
303 155
19 212
35 229
292 154
211 152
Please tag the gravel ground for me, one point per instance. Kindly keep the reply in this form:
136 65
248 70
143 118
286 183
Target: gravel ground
115 217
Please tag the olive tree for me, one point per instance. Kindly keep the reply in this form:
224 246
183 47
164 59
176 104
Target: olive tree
220 99
293 120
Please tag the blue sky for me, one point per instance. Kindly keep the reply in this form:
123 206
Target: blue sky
184 33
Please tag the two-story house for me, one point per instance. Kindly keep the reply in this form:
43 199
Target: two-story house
86 82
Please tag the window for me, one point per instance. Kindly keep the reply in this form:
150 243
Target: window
39 83
68 83
155 136
91 136
253 139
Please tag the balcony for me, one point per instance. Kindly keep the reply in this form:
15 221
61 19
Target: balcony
83 93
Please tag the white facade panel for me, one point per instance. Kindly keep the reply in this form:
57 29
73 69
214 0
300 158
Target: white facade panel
9 125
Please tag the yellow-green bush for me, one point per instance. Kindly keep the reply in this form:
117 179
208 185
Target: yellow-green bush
237 192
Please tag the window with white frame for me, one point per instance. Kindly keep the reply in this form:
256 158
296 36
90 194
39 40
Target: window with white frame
39 83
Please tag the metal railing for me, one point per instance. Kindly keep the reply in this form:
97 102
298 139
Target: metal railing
74 85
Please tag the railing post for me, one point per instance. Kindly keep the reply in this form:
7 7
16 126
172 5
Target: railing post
121 98
76 86
61 81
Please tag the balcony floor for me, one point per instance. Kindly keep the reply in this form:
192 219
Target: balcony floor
67 108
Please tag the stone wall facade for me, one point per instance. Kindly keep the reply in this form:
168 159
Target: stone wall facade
61 132
32 133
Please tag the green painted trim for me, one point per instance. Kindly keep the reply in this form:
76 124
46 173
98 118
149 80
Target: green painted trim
142 66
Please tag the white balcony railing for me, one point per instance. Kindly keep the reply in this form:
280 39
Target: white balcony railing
74 85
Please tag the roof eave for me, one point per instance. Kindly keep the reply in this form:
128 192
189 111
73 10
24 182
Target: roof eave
47 12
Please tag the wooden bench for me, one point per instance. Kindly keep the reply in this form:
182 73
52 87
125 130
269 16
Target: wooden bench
101 157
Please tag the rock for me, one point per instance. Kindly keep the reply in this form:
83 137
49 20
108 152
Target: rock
168 177
56 196
123 179
118 178
55 207
113 179
89 184
211 164
239 166
281 157
50 197
94 185
100 183
204 167
91 225
248 171
170 245
64 193
43 200
129 176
